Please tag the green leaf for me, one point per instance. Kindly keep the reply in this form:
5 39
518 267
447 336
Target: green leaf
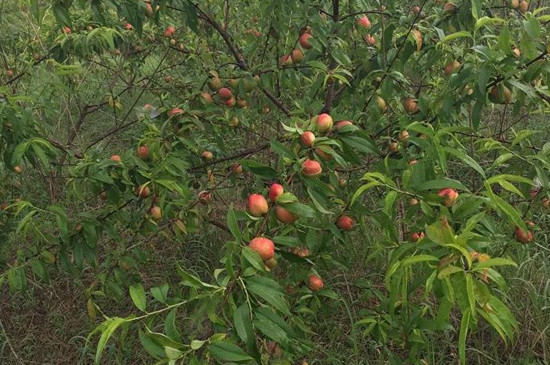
379 177
532 27
171 326
197 344
506 318
193 281
62 15
137 293
504 39
526 88
497 278
286 197
281 150
41 156
287 241
516 178
449 270
39 269
493 320
362 190
522 135
317 199
470 292
19 151
318 65
226 351
269 291
451 37
300 209
462 250
190 15
61 219
243 325
464 323
341 58
35 11
466 159
172 353
440 184
233 225
502 159
440 233
17 279
107 329
505 208
418 258
387 224
272 316
510 187
259 169
477 8
389 202
253 258
484 21
150 346
362 145
498 261
163 340
160 293
271 330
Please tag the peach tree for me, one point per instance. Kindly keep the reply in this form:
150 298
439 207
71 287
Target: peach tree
286 131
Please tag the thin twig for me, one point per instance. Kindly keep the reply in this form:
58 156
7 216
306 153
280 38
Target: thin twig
19 360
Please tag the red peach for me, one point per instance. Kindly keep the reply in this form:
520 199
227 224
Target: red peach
284 215
417 236
364 22
257 205
169 31
263 246
225 93
311 168
307 138
314 282
324 122
345 223
523 236
143 152
304 40
450 196
275 190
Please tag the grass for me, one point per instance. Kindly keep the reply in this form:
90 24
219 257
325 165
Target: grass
47 325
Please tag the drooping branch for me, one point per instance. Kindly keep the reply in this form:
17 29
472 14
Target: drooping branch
386 14
237 54
330 92
126 125
246 152
399 49
17 77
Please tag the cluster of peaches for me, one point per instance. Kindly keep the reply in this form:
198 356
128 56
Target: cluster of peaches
258 206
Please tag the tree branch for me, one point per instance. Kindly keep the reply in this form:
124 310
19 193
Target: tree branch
330 92
239 58
396 54
243 153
